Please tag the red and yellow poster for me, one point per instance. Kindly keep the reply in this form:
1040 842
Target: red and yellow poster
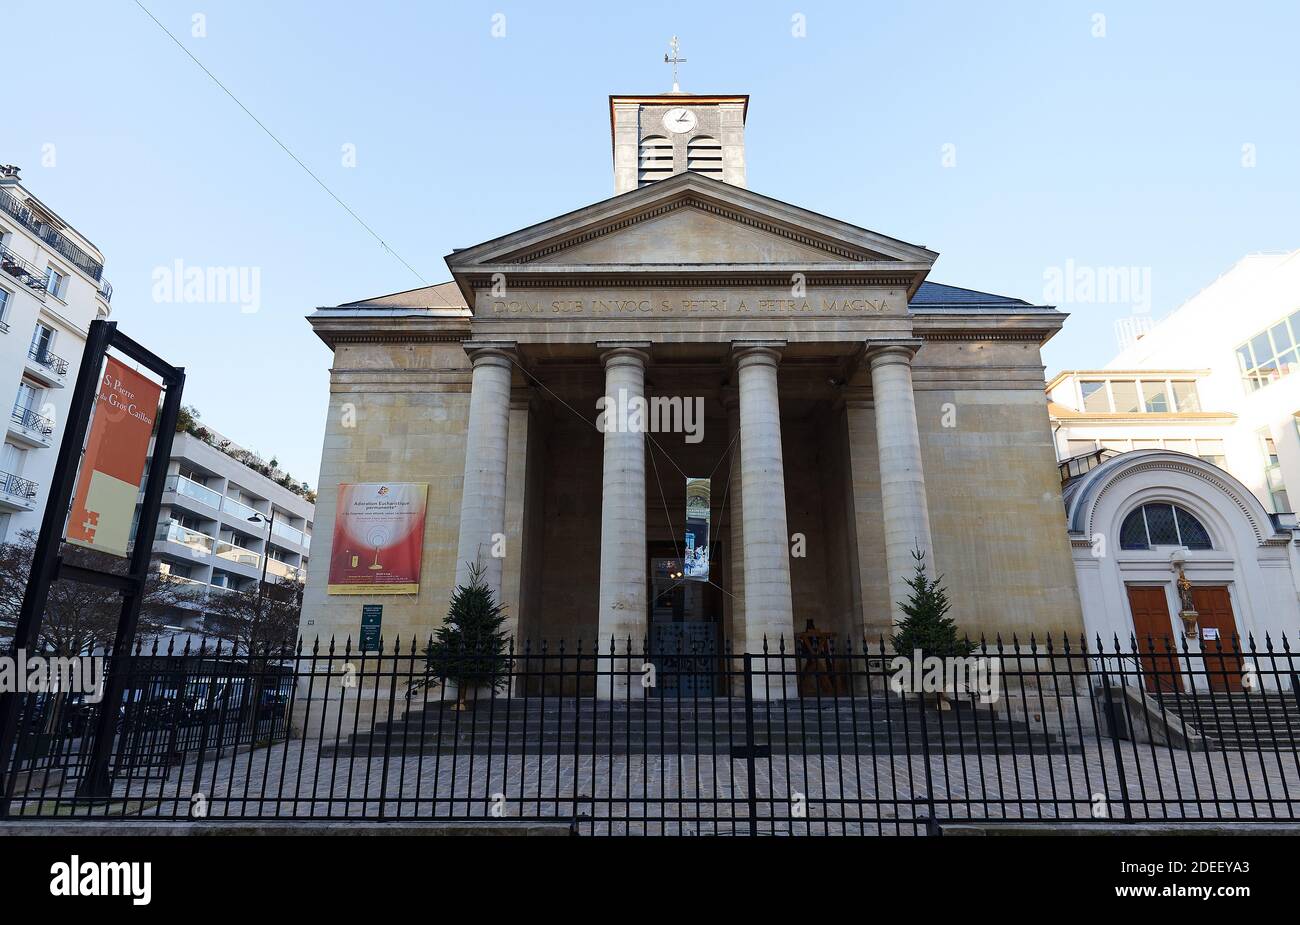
113 467
378 538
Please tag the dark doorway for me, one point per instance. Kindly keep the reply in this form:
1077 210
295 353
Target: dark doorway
684 618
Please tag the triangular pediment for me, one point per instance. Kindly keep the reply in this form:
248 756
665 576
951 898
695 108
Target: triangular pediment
691 224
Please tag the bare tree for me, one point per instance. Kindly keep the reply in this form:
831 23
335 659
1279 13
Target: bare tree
251 625
79 618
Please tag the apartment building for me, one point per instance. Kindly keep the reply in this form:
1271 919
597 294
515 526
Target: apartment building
223 525
1216 378
51 287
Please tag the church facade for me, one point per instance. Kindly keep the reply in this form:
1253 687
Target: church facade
841 411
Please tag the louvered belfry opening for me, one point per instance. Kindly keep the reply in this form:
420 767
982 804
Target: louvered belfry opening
704 155
656 160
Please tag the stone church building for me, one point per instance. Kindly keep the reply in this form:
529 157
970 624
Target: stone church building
852 412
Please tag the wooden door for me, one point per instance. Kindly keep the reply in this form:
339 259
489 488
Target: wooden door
1219 642
1156 644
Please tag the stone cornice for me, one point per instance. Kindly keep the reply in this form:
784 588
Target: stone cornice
702 276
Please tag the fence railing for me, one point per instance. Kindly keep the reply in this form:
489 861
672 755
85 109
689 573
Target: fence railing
840 739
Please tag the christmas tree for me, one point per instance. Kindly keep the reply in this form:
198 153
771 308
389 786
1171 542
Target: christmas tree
469 649
927 625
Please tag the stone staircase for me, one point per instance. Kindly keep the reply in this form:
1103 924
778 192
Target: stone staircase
1245 721
557 726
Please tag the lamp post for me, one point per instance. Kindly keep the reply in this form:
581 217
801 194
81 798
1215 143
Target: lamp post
266 551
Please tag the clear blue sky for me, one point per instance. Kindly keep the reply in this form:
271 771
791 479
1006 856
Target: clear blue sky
1117 151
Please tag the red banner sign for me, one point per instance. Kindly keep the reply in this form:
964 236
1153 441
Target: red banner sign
113 467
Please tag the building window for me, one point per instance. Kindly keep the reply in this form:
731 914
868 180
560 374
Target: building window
1160 524
56 283
1125 392
1186 398
656 159
1211 451
4 305
1270 354
42 340
1273 473
1095 397
1155 396
704 155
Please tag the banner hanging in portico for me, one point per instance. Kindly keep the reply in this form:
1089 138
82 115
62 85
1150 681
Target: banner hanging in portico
695 562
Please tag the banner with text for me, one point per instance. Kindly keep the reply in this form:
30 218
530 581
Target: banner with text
698 499
113 467
378 539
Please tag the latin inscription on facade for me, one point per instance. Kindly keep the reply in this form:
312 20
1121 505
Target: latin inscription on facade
712 304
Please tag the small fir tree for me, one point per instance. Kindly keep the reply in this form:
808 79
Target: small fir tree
469 649
927 625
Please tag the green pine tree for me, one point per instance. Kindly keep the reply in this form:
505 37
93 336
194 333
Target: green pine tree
927 625
470 648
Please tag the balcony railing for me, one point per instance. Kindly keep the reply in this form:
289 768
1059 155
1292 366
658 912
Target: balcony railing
193 539
238 508
22 271
28 219
29 420
17 486
233 553
106 290
55 364
289 533
191 489
283 569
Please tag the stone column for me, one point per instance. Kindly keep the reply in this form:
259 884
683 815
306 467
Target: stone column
735 631
622 614
769 609
902 482
483 497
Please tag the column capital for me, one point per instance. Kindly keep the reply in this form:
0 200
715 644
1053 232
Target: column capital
892 350
490 352
749 352
619 352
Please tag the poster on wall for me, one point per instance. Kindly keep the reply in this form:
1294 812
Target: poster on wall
695 562
378 538
112 469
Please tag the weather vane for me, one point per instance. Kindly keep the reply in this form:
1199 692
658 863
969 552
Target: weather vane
674 46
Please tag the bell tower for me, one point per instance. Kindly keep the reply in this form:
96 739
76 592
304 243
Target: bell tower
657 136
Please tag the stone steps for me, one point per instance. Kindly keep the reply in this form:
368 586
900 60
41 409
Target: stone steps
1242 721
559 726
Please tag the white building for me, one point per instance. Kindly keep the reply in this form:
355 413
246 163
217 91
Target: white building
1176 459
215 532
51 288
1213 379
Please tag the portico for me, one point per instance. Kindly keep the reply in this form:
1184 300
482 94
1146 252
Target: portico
852 413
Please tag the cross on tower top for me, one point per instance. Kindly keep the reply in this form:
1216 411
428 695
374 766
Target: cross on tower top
674 47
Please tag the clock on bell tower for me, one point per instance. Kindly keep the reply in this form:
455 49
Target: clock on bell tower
657 136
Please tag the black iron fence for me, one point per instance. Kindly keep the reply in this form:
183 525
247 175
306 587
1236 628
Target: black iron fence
846 739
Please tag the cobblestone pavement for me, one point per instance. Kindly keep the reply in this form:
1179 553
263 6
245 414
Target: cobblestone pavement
711 793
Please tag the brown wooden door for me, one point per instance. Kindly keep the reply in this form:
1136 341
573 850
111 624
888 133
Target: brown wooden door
1156 645
1222 655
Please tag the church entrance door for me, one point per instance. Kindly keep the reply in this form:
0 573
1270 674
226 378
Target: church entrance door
1219 641
1156 646
683 628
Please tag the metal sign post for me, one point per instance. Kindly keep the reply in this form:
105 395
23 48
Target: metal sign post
48 565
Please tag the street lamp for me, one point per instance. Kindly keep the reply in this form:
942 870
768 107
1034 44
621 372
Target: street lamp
266 550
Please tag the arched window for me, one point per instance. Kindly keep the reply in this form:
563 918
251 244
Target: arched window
704 155
1160 524
656 159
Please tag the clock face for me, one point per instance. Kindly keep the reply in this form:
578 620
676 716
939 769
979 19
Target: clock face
679 120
